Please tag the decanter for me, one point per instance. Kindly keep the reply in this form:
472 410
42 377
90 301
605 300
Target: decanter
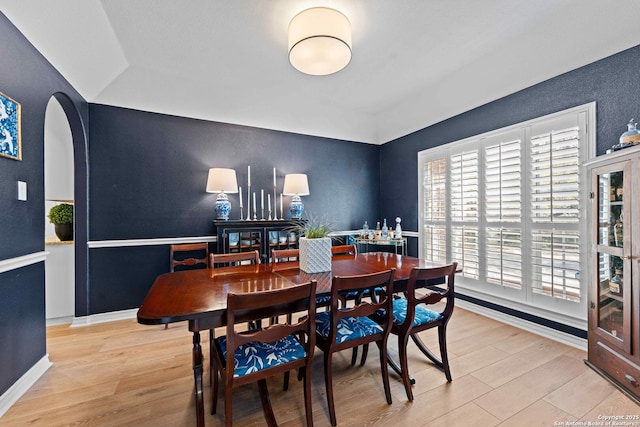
398 232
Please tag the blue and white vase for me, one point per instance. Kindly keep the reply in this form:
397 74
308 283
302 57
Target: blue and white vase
296 207
223 207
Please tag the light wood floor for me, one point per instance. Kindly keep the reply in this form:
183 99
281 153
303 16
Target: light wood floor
122 373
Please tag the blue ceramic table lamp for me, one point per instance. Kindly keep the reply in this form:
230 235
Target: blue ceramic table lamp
296 185
222 181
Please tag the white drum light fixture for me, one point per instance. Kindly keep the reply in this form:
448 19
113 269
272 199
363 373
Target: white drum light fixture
319 41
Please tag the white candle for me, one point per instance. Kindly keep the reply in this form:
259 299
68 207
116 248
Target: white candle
254 202
269 202
240 190
274 178
249 176
281 211
262 199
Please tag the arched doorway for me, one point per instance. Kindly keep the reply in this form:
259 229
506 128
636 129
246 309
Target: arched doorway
80 168
58 189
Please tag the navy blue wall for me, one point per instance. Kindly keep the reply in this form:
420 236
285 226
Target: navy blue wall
612 83
148 176
29 79
22 330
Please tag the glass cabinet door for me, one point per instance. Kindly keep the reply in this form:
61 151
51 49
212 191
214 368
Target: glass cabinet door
610 209
613 299
611 303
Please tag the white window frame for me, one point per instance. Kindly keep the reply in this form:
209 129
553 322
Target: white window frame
525 300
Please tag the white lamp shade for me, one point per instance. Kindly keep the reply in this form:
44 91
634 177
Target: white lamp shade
296 184
319 41
222 181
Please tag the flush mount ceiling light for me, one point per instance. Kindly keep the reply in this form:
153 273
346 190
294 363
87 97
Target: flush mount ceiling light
319 41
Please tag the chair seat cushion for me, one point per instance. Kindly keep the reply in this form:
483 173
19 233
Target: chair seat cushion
322 301
256 356
349 328
423 315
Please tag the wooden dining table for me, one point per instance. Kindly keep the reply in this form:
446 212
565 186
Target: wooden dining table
200 296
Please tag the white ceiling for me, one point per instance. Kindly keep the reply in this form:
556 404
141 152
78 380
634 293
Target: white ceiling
415 62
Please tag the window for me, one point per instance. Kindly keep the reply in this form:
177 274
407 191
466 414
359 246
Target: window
464 211
503 206
509 207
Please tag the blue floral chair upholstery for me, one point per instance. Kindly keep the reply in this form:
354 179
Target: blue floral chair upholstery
422 315
256 356
349 328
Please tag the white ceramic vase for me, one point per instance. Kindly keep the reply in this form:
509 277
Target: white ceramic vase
315 254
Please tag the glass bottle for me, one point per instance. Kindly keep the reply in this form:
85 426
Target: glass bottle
618 233
398 228
385 230
365 230
378 232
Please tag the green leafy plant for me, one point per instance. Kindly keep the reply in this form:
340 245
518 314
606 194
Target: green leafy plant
61 214
313 227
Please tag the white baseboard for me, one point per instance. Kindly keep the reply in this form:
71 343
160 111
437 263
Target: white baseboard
104 317
64 320
534 328
23 384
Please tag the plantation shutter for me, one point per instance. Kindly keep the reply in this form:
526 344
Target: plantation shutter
464 212
435 210
503 181
555 208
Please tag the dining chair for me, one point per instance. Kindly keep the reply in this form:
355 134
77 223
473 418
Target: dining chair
352 295
348 327
287 258
252 356
411 316
232 259
188 255
229 260
284 255
282 259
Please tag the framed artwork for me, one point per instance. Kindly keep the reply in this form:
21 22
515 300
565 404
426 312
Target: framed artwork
10 137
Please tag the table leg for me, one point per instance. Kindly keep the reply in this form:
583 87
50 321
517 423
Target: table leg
397 369
197 377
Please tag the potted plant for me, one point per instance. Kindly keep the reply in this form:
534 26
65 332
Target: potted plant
314 245
61 216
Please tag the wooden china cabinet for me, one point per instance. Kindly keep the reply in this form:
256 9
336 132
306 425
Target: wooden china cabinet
614 309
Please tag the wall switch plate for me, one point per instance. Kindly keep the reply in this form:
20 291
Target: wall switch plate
22 191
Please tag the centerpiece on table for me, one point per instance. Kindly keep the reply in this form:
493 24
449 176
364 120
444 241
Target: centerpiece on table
314 245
